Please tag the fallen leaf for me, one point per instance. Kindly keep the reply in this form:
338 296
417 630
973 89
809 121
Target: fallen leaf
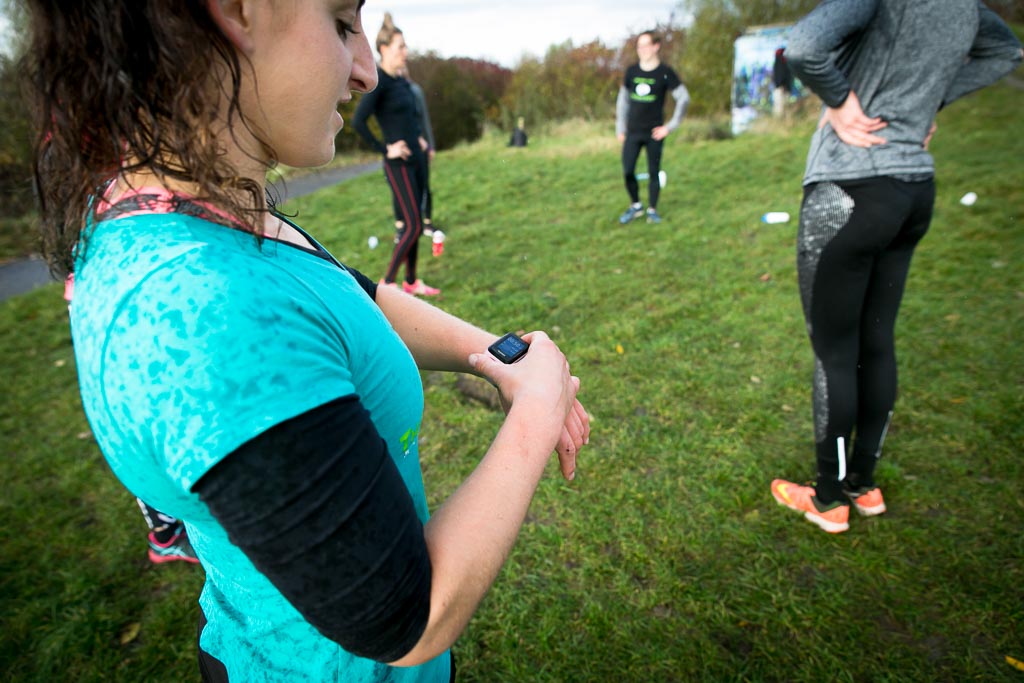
766 277
787 408
619 349
59 363
958 400
952 317
130 633
83 435
755 379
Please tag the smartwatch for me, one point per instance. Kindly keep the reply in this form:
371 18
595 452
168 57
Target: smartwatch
509 348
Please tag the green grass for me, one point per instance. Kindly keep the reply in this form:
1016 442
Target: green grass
667 559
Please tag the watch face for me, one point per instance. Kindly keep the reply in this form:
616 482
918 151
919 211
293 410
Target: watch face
509 348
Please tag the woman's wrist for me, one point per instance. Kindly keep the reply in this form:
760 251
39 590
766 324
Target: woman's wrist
538 422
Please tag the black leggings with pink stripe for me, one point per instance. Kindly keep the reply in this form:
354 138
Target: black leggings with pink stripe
405 177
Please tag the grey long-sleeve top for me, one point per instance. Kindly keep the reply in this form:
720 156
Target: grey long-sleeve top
681 96
905 60
421 106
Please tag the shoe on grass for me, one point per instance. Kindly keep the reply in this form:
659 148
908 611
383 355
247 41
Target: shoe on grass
421 288
652 216
867 499
833 518
632 212
177 549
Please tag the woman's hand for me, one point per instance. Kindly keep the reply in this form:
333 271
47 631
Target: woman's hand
931 132
542 381
399 150
852 125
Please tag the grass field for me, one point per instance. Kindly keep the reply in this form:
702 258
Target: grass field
667 559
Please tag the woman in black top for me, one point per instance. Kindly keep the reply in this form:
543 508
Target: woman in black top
404 149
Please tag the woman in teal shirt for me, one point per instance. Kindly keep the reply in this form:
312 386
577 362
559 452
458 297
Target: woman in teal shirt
240 378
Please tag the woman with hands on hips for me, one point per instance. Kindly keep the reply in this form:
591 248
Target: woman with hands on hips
404 147
883 69
240 378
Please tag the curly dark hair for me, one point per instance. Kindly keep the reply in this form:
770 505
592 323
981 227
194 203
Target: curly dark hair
120 86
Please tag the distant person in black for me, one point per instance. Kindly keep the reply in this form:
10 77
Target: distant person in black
405 149
782 83
639 116
519 137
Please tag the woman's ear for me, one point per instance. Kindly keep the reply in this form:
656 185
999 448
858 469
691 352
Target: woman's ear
233 18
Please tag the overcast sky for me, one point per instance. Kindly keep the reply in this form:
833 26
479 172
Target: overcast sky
502 31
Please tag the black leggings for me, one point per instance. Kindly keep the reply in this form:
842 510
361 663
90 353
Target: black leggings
630 153
405 178
427 200
854 247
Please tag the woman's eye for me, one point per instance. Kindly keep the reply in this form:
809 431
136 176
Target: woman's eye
344 28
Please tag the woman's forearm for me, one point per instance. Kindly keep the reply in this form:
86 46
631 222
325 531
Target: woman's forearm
437 340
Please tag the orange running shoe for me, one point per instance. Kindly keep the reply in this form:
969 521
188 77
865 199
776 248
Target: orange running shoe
867 500
833 519
421 288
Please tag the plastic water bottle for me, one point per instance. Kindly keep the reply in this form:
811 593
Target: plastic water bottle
775 217
662 177
438 242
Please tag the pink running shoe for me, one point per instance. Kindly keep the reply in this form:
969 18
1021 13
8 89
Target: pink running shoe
177 549
421 288
868 501
834 519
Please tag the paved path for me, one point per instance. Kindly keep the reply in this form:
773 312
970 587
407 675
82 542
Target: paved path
18 277
318 180
24 275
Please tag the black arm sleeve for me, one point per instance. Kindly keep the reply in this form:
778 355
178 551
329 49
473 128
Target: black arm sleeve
318 506
368 285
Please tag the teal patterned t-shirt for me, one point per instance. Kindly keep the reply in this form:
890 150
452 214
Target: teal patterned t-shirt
191 339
